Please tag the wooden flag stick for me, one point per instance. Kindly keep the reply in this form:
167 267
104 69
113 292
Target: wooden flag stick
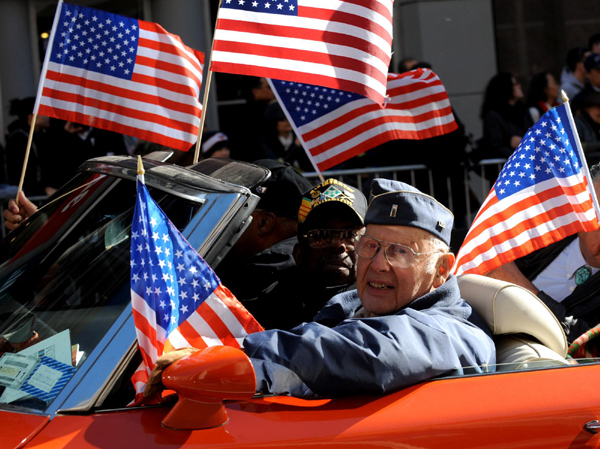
206 91
29 141
203 115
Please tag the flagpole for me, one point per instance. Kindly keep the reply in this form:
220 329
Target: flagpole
581 154
298 135
27 150
206 91
37 98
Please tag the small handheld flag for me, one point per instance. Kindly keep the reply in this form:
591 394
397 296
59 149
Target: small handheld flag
543 194
177 299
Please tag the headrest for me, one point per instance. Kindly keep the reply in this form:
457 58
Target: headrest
510 309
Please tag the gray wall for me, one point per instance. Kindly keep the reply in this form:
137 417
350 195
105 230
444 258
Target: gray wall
457 39
18 76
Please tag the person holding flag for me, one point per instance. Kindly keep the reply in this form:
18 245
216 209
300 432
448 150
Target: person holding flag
404 323
564 275
544 199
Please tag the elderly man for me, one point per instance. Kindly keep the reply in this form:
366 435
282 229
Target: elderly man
405 322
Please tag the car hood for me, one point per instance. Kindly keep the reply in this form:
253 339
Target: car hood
17 429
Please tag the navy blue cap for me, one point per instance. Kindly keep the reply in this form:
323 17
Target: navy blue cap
396 203
592 62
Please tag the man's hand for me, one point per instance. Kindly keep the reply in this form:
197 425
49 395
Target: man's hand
14 215
154 384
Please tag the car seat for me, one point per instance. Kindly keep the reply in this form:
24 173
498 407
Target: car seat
523 328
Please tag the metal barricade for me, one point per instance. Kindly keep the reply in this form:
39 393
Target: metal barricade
476 184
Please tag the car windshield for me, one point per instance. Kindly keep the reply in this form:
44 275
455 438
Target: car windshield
64 280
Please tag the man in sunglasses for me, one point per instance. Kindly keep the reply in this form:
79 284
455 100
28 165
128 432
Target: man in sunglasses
405 322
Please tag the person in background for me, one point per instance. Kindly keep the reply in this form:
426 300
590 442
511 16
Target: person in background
592 67
505 117
280 141
573 76
543 94
405 322
588 126
215 144
594 43
246 125
407 64
564 275
16 146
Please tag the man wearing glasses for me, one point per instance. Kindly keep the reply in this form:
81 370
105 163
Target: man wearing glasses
330 219
405 322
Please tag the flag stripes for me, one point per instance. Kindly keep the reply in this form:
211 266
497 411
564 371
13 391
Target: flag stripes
87 78
339 44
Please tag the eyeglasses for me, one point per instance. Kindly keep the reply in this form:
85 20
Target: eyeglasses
399 256
320 238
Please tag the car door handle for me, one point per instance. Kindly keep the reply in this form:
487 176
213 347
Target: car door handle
592 426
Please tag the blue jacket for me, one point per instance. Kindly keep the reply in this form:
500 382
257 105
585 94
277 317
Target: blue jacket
434 334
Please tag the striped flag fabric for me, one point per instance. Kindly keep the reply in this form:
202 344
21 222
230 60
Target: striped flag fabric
177 300
335 126
341 44
543 194
121 74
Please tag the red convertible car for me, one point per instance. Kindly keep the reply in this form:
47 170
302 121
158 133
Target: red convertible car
68 343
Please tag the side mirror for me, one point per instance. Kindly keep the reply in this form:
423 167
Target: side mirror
202 381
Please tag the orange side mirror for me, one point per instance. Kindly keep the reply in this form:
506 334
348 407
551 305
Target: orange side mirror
202 381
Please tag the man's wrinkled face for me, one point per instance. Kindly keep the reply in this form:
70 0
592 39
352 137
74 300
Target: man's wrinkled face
384 289
334 263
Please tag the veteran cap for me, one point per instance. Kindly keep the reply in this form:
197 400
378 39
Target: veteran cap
398 204
332 193
282 192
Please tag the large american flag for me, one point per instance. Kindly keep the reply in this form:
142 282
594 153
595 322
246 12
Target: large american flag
342 44
334 125
177 300
121 74
543 194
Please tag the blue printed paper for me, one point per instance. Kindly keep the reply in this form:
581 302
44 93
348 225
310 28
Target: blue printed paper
47 379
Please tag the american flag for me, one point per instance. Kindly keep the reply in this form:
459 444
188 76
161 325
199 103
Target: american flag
342 44
177 300
334 125
121 74
543 194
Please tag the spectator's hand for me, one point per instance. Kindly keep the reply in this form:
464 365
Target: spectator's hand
515 141
154 384
14 215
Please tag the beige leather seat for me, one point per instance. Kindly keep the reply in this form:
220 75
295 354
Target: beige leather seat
524 329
